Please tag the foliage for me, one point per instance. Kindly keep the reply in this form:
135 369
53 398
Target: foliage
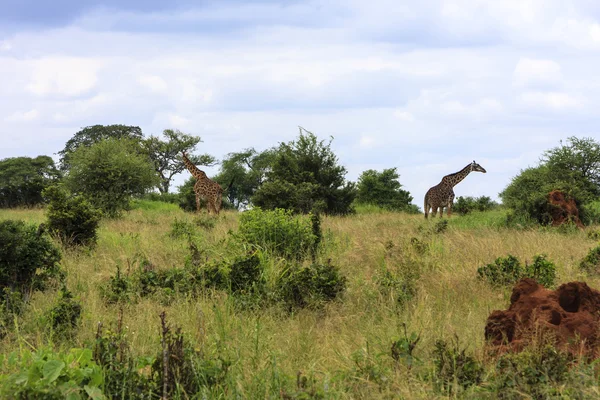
243 173
591 262
91 135
508 270
279 232
309 286
384 190
72 218
531 372
400 285
48 375
109 173
402 349
573 168
166 155
305 176
454 369
28 259
64 316
22 180
468 204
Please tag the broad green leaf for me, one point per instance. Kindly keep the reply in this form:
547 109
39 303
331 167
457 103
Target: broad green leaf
52 370
94 392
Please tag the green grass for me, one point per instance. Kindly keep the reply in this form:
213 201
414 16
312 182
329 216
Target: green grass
344 347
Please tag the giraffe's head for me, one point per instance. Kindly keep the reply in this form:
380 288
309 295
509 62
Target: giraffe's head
476 167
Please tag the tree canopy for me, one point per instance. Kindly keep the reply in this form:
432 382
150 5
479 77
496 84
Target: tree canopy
384 190
22 180
305 176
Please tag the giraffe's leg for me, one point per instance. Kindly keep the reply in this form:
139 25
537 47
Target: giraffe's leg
218 203
441 211
434 211
198 203
450 203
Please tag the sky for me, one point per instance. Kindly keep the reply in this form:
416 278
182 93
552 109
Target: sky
425 87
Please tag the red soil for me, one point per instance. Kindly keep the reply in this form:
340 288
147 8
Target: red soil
564 210
569 315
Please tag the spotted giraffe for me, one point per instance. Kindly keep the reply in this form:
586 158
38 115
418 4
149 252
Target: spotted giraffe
204 188
442 195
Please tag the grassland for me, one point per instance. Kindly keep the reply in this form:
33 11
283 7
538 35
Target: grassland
344 347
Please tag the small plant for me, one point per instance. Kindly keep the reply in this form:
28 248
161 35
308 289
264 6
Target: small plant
71 218
279 232
205 221
182 228
504 271
441 226
311 286
419 245
399 285
64 316
118 289
370 367
454 369
402 349
591 262
542 270
593 234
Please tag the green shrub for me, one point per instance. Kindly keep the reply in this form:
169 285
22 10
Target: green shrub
402 349
593 234
591 262
48 375
182 228
118 289
309 286
454 369
205 221
400 285
64 316
590 213
440 226
28 259
468 204
278 231
508 270
72 218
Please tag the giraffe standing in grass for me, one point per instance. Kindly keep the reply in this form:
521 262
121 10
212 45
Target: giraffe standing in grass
205 188
442 195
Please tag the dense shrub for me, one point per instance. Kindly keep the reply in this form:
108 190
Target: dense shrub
64 316
454 368
28 259
279 231
309 286
71 218
591 262
468 204
508 270
384 190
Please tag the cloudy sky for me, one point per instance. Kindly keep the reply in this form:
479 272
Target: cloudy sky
425 86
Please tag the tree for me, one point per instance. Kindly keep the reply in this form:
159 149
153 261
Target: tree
242 174
166 155
109 173
94 134
22 180
305 176
384 190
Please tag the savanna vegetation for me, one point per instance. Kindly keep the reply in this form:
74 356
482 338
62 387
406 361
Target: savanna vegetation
325 291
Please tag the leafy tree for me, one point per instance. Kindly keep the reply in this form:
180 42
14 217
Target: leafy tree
22 180
384 190
94 134
465 205
242 174
109 173
305 176
166 155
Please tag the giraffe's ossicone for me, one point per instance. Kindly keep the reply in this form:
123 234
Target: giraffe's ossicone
442 194
205 188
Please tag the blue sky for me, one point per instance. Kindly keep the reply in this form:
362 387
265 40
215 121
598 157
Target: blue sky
426 86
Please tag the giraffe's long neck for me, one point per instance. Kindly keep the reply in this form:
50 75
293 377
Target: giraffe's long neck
455 178
196 173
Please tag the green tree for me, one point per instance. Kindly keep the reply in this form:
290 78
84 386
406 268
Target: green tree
166 155
94 134
242 174
384 190
109 173
305 176
22 180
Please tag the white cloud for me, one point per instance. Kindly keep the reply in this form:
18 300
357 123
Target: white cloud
551 100
154 83
531 71
404 116
63 76
26 116
5 45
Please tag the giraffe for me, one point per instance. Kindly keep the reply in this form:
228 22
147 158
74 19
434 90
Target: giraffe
204 187
442 195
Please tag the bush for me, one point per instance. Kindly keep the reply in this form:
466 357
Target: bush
22 180
468 204
311 286
279 231
508 270
400 286
64 316
454 369
28 259
591 262
71 218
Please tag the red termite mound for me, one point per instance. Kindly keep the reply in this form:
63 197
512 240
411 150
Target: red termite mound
569 314
564 210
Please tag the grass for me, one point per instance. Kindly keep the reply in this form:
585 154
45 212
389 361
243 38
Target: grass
267 347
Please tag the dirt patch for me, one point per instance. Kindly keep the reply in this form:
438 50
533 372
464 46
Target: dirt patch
563 210
569 315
